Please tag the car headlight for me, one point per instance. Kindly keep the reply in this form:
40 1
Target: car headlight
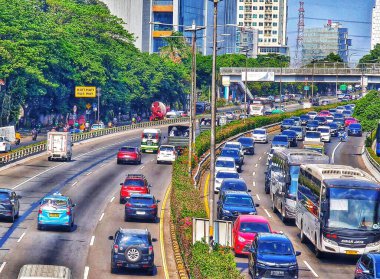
377 243
226 211
241 239
252 213
329 241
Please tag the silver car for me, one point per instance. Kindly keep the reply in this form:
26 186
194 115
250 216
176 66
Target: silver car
221 175
299 130
260 135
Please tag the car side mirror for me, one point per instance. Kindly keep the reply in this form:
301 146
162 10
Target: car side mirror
110 237
154 239
249 190
298 253
74 205
121 184
149 186
157 201
257 205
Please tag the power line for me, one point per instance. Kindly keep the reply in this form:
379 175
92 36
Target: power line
339 20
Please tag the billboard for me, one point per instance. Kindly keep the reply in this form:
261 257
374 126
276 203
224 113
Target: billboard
85 91
258 76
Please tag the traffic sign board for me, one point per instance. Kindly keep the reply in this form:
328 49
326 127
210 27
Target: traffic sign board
306 88
85 91
343 87
88 106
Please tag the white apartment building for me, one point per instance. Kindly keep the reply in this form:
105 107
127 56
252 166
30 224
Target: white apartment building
375 34
269 17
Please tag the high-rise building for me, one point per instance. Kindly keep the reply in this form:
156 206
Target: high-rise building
269 17
248 39
320 42
375 34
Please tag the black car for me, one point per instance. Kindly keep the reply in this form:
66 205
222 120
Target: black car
232 184
368 266
287 123
292 137
235 203
334 128
9 204
235 154
272 256
312 125
248 145
321 120
132 249
304 119
141 206
354 129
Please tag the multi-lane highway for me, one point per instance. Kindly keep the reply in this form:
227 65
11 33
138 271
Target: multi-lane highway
92 180
331 266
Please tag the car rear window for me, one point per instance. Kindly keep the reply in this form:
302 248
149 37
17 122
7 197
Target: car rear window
238 201
246 140
232 145
55 202
280 138
314 122
225 164
258 132
134 182
323 130
227 175
142 200
313 135
230 152
297 129
356 126
129 149
132 239
234 185
252 227
166 148
288 121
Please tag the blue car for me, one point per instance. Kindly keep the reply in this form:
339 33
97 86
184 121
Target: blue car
56 211
368 266
272 256
235 203
292 137
235 154
141 206
280 141
312 125
354 129
287 123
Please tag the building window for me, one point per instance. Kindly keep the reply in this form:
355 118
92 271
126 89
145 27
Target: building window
254 15
254 23
241 0
261 24
240 16
261 16
274 23
260 31
275 16
274 32
241 8
275 8
261 8
260 40
254 0
240 23
254 8
274 40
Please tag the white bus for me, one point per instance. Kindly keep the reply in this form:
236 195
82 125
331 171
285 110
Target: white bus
338 209
284 171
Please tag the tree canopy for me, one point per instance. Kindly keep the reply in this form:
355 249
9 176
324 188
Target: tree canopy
372 57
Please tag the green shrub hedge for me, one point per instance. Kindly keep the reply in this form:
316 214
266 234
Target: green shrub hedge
187 201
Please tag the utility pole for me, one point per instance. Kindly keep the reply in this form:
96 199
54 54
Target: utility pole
246 50
193 96
98 89
213 123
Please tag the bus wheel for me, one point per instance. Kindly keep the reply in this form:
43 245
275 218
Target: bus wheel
283 215
302 235
273 206
318 253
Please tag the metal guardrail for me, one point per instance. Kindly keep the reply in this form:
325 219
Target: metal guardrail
204 161
373 162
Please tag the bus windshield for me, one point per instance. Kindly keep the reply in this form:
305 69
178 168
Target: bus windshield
294 173
354 208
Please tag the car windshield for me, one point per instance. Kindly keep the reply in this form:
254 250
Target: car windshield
232 145
313 135
234 185
354 208
253 227
355 126
149 135
222 174
129 149
224 164
246 141
134 182
166 148
313 123
297 129
323 130
142 200
280 139
235 200
4 196
258 132
304 117
130 239
230 152
275 248
289 133
288 122
333 125
55 202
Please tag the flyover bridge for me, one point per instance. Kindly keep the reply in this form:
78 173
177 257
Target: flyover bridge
366 75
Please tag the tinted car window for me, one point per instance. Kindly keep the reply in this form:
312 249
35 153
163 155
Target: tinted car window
134 182
234 185
166 148
247 141
297 129
289 133
142 200
258 132
132 239
4 196
313 135
313 122
280 138
356 126
288 121
230 152
129 149
275 248
250 227
232 145
323 130
227 164
238 201
55 202
227 175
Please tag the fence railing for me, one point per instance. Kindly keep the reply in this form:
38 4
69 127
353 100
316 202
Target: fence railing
373 162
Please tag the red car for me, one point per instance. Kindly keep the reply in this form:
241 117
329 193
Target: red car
245 230
128 154
350 120
134 183
324 113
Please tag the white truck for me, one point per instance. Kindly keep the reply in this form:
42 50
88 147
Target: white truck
258 109
8 132
59 146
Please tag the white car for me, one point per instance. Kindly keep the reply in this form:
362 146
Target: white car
225 164
340 109
325 133
260 135
329 119
95 127
5 145
173 114
221 175
234 144
312 136
312 114
166 153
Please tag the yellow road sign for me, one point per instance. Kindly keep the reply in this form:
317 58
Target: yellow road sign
88 106
85 91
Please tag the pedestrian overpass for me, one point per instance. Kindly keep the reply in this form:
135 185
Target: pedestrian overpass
365 75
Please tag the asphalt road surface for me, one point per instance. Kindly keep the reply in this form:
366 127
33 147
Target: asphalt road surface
92 180
331 266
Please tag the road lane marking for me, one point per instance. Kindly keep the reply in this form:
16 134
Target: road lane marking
21 237
86 271
87 174
152 160
257 195
162 242
102 165
312 270
266 211
205 195
256 165
254 173
333 153
2 266
75 183
112 199
92 240
142 167
101 217
253 183
259 158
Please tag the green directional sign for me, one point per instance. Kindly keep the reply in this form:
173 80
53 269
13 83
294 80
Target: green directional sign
343 87
306 88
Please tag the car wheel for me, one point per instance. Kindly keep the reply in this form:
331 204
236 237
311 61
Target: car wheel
12 218
133 254
274 209
302 235
121 200
69 158
267 190
18 213
158 162
118 162
40 227
49 158
140 161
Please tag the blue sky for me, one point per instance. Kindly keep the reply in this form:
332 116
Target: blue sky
344 10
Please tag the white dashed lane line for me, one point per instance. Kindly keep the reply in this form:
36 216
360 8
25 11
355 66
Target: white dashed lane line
21 237
101 217
86 271
102 165
254 173
2 266
259 158
112 199
258 197
92 240
253 183
266 211
75 183
87 174
256 165
311 269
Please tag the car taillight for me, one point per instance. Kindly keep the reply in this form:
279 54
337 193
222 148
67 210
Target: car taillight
359 270
68 211
331 235
116 248
156 136
128 205
142 135
150 250
40 211
153 206
158 151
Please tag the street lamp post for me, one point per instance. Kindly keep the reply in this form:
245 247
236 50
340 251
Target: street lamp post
98 95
